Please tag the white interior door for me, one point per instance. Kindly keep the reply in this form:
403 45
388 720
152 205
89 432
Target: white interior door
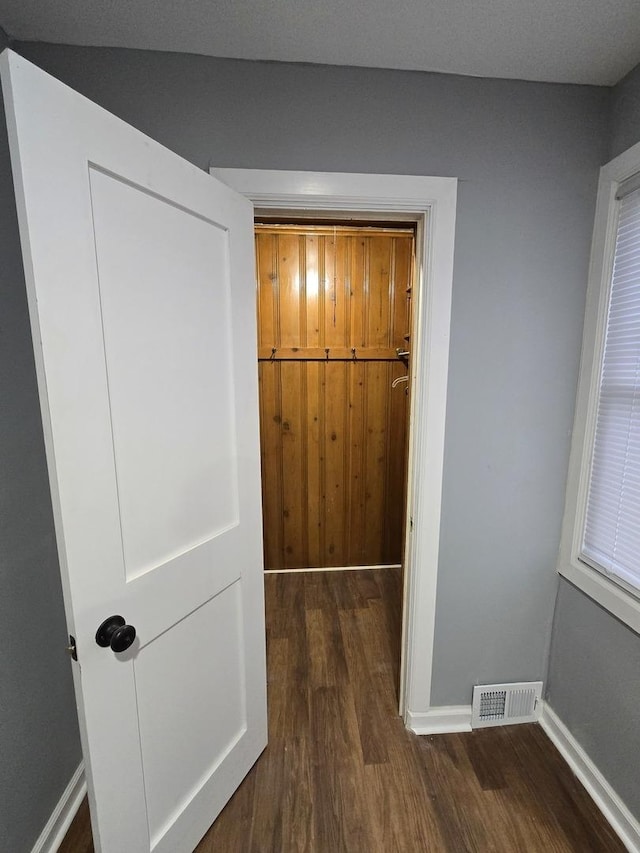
140 279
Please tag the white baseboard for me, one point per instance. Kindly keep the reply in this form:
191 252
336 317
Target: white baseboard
56 828
612 807
439 720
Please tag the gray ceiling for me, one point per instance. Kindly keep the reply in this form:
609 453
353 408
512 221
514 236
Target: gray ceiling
573 41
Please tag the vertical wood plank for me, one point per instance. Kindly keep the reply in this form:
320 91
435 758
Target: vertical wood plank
313 452
356 553
335 418
267 279
377 402
336 332
293 430
289 279
358 291
271 462
378 329
312 290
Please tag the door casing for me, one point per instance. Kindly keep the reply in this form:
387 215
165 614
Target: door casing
430 202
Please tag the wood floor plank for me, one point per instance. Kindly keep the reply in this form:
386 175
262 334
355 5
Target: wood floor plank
341 774
484 755
367 584
371 725
341 822
298 824
268 801
352 581
317 590
278 697
455 795
289 696
323 672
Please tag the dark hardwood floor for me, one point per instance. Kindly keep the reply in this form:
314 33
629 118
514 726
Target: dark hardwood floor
341 773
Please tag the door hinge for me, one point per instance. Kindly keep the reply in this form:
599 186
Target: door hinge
71 648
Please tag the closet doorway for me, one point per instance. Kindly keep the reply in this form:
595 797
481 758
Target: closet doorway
334 321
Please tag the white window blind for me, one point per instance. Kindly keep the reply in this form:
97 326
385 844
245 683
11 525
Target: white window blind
611 539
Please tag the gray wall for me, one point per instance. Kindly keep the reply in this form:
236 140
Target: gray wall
527 155
593 687
625 114
595 660
39 744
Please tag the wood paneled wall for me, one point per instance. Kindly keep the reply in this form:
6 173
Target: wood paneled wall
333 307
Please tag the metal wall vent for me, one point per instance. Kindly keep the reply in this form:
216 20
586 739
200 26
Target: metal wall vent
505 704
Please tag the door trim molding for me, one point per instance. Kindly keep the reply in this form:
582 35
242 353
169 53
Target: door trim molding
431 203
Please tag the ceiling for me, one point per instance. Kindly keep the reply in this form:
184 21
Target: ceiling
568 41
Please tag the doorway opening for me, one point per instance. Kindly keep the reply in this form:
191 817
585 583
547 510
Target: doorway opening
334 308
430 203
334 330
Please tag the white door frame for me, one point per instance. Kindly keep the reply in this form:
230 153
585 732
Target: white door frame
431 203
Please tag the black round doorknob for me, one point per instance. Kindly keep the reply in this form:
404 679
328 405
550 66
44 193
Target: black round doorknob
115 632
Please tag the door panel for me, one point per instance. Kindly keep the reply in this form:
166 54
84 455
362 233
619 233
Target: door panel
180 747
163 332
333 306
142 303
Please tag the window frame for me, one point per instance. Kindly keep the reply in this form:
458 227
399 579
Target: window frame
611 594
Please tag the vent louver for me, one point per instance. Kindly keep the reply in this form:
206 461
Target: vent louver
505 704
